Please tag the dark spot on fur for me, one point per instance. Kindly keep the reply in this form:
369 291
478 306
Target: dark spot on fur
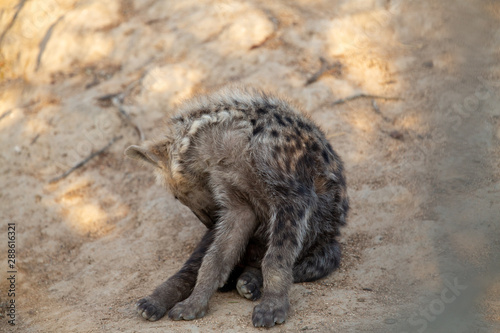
288 164
290 149
304 126
314 147
279 257
301 189
279 119
274 133
303 168
253 121
300 214
276 230
279 242
281 224
329 146
261 111
257 130
324 153
200 113
297 131
285 191
268 105
277 149
290 210
288 138
289 120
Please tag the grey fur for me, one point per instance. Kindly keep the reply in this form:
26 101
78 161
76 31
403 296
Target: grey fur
268 186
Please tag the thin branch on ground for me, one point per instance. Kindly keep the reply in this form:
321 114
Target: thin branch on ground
34 139
325 68
377 111
5 114
13 20
363 95
117 101
85 161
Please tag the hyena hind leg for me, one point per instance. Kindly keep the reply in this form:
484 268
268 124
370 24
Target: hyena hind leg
176 288
287 227
318 262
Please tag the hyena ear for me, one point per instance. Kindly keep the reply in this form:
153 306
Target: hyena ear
142 154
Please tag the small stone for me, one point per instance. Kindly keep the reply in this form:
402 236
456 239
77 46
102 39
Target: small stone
428 64
396 135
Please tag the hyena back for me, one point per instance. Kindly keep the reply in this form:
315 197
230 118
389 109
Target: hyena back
271 191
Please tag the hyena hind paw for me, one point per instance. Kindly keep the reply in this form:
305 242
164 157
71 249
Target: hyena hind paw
150 309
248 286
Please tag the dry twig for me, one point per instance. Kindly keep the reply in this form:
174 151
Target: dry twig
83 162
363 95
325 68
5 114
117 101
377 111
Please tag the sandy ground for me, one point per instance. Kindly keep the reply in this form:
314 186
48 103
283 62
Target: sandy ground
421 250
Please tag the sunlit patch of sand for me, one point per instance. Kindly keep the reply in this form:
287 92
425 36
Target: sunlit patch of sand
89 214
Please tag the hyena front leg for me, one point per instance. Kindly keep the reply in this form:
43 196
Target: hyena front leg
288 227
233 230
176 288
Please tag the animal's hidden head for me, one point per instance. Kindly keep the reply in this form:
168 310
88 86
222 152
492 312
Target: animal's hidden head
156 154
146 154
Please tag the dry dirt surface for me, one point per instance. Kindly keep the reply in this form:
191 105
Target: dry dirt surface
408 93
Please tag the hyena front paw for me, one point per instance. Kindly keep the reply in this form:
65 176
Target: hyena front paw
248 286
188 310
270 311
150 308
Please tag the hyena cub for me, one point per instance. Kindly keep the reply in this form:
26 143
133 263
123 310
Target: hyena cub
271 191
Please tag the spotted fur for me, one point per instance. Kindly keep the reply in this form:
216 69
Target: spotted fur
269 188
